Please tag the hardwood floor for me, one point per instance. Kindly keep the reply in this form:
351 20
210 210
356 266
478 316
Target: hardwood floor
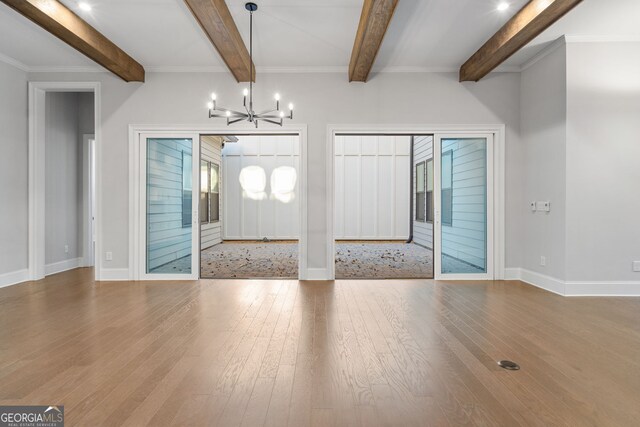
349 353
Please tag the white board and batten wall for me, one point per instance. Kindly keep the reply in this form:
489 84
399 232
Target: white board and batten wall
422 152
254 209
372 175
211 151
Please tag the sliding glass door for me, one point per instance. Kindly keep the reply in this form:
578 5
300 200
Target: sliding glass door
169 188
464 206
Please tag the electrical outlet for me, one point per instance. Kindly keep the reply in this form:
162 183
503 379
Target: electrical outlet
109 256
636 266
66 249
543 261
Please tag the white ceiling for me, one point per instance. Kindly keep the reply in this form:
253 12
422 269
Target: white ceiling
306 34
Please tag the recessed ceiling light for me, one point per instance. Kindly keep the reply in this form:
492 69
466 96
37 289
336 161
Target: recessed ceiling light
84 6
503 6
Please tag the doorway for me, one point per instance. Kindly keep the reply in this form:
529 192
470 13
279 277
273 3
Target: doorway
456 177
63 177
218 205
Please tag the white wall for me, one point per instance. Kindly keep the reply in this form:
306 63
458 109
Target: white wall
372 175
321 99
14 208
250 214
63 172
543 113
211 151
422 152
603 161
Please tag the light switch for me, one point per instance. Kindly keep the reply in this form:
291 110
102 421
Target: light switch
636 266
532 205
109 256
544 206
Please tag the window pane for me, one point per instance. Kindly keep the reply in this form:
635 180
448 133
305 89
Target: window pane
430 175
420 176
215 178
168 194
420 206
187 187
430 206
204 191
464 206
215 207
215 192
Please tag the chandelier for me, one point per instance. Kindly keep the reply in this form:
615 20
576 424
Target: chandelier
270 116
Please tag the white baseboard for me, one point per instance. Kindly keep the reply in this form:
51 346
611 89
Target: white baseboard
14 277
611 288
316 274
59 267
113 274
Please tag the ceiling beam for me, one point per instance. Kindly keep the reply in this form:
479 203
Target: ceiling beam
374 21
535 17
218 24
56 18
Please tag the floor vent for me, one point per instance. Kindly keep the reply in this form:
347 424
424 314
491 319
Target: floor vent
508 364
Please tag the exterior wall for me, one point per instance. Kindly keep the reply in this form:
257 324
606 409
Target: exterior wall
466 238
253 215
211 151
372 187
167 238
422 152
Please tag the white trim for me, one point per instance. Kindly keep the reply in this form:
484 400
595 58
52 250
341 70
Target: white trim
14 277
134 182
37 91
14 62
88 195
608 288
114 274
611 38
498 130
59 267
316 274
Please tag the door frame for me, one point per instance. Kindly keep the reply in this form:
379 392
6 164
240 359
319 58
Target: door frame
88 202
135 244
36 170
498 131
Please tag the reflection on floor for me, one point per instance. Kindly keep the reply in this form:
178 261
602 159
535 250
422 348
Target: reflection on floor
354 260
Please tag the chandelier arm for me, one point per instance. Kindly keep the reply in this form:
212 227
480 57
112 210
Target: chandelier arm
272 121
230 122
266 112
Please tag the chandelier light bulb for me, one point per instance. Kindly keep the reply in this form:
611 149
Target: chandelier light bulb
290 106
228 113
245 92
277 97
213 96
281 113
210 105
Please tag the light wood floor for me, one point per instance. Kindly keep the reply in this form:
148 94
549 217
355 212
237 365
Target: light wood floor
293 353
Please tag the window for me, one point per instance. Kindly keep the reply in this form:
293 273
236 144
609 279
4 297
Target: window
429 190
209 192
204 192
447 188
214 196
186 189
420 192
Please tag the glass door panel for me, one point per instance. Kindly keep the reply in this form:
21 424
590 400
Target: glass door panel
170 204
464 217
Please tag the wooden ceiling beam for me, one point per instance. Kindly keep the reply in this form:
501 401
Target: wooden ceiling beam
218 24
60 21
374 21
535 17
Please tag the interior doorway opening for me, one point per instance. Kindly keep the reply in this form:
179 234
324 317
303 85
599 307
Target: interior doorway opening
249 210
383 202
